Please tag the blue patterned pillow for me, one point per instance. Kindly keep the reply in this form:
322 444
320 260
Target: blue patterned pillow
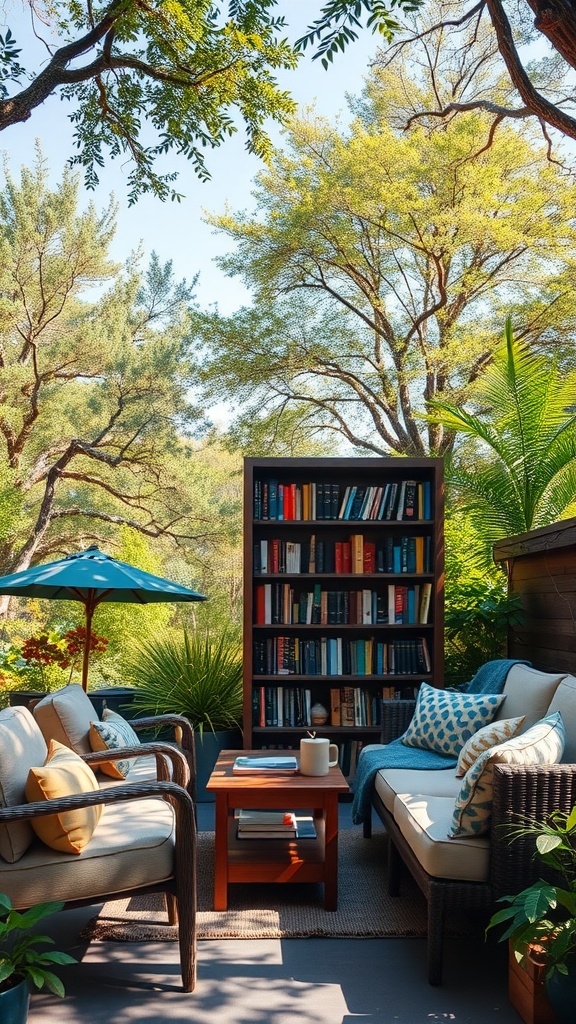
443 720
113 734
543 743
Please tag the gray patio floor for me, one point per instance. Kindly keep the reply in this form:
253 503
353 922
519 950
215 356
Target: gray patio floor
312 981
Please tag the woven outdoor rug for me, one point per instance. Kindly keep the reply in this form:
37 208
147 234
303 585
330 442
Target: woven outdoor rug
283 911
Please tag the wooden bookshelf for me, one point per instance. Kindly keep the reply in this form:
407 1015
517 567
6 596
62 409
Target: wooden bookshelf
343 594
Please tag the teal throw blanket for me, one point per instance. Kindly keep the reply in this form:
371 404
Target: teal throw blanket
490 678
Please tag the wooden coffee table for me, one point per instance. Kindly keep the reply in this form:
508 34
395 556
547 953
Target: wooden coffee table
275 860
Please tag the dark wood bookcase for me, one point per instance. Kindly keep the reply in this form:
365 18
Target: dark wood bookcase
336 583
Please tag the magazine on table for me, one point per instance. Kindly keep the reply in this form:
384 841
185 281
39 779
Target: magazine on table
245 763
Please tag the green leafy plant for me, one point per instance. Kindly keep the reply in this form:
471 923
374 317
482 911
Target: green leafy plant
21 958
515 466
193 675
544 914
477 621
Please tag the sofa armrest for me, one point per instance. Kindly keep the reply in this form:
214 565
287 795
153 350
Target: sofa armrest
396 717
524 792
183 736
162 752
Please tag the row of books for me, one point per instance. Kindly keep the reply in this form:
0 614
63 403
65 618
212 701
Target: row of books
281 604
335 656
400 499
280 706
390 554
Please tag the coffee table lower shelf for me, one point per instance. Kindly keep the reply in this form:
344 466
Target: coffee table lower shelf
276 860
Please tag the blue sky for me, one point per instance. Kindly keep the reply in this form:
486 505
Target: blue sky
176 230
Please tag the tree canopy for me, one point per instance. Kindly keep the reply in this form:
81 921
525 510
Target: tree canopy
149 78
383 264
515 26
94 381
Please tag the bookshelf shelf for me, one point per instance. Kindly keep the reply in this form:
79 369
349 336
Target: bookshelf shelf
339 611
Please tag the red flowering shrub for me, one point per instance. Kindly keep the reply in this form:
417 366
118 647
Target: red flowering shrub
42 659
45 650
76 638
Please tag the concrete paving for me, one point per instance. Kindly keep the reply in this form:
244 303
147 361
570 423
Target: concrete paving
275 981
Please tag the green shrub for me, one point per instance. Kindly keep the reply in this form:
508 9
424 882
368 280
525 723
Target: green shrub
194 675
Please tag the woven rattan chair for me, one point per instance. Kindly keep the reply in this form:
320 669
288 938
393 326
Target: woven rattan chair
145 842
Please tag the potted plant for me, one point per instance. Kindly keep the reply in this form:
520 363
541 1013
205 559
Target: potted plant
23 963
544 914
197 676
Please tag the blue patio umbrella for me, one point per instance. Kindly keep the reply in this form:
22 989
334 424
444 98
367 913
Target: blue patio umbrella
93 577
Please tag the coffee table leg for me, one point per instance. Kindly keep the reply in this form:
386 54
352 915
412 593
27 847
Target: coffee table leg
221 853
331 852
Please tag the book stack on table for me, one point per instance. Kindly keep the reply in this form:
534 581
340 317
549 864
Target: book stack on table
275 825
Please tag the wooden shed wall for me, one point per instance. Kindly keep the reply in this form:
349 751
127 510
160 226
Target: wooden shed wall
541 569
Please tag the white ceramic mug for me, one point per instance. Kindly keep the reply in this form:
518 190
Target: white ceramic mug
317 756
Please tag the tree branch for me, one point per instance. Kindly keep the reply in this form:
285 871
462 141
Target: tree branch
538 104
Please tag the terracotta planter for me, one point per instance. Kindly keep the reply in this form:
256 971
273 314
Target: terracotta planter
526 990
14 1004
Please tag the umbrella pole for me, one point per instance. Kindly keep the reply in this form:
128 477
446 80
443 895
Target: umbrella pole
90 605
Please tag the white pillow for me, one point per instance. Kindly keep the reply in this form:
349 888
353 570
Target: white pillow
488 736
542 744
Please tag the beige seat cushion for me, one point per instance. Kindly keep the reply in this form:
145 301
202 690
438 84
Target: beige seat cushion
424 822
143 770
564 701
21 746
529 693
390 782
65 715
133 846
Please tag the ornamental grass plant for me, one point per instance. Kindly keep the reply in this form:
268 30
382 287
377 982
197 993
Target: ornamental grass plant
192 674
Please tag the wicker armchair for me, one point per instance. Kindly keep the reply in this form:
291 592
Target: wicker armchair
520 791
145 842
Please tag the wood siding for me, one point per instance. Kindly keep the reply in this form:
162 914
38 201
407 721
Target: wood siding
541 568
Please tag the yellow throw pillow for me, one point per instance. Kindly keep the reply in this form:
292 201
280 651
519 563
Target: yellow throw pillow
64 774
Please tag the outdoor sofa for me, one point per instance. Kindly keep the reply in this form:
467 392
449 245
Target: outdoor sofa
421 808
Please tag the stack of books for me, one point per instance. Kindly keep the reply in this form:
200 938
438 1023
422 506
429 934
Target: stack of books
275 825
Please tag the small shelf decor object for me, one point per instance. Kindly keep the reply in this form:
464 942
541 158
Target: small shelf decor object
343 595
